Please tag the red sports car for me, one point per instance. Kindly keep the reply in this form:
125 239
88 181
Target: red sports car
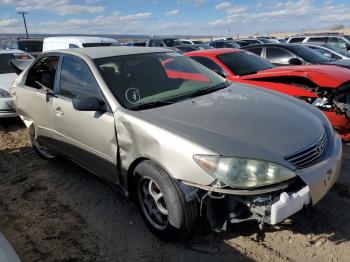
325 86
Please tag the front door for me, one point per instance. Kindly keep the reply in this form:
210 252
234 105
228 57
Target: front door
88 137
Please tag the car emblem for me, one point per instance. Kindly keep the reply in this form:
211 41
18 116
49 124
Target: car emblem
319 148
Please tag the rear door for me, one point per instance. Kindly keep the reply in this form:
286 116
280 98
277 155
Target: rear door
87 137
34 98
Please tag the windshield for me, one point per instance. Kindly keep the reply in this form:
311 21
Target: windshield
141 79
31 46
5 66
338 50
98 44
244 63
309 55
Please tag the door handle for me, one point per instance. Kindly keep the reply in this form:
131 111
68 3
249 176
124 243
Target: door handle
59 112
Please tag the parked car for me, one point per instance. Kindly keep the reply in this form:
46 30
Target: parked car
7 76
33 46
329 51
325 86
270 39
241 43
223 44
164 42
293 54
191 42
192 47
132 115
66 42
339 41
142 44
255 41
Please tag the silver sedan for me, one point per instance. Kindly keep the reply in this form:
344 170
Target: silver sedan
177 137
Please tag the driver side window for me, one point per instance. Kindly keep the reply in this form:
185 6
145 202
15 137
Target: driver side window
77 79
42 75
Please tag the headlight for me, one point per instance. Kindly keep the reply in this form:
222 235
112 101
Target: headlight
242 172
4 93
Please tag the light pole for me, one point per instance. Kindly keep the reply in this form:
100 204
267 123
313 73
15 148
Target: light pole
24 20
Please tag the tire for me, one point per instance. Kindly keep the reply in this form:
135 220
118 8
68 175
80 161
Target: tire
42 151
170 216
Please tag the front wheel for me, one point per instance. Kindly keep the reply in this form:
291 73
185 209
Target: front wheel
42 151
163 206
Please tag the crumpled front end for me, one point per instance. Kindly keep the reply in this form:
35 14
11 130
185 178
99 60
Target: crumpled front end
273 204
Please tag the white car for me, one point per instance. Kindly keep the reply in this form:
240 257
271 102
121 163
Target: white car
66 42
7 76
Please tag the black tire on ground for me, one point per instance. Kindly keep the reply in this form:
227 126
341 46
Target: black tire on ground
181 214
40 150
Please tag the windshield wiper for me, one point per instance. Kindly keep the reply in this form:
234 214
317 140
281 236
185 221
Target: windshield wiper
209 90
153 104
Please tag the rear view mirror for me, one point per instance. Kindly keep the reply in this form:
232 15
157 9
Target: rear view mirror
295 61
88 104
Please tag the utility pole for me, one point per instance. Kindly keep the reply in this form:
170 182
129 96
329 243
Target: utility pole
24 20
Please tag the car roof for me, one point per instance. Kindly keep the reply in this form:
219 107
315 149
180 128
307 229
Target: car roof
11 51
215 51
109 51
84 39
283 45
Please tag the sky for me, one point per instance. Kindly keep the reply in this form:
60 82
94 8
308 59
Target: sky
174 17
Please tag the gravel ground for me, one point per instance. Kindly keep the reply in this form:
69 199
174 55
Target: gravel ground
57 211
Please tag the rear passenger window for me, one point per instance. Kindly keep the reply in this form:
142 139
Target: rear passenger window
255 50
42 75
296 40
319 40
278 55
77 79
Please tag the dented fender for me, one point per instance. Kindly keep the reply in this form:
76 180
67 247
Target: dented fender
141 139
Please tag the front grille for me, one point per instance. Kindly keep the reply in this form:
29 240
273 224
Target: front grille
309 155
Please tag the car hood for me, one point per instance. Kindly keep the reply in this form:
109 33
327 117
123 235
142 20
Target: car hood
242 121
6 80
322 75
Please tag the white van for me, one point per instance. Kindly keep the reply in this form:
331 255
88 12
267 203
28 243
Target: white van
66 42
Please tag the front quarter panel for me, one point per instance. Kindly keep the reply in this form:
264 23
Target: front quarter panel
138 138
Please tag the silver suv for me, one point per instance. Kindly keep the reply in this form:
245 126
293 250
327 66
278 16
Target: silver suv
339 41
178 137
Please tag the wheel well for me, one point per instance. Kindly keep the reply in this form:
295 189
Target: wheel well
130 175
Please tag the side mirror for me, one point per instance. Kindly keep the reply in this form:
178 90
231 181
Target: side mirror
88 104
295 61
348 47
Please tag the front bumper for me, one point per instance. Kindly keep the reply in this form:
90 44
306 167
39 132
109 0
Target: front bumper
280 202
7 108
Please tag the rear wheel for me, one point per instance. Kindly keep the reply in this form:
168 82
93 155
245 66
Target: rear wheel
42 151
162 204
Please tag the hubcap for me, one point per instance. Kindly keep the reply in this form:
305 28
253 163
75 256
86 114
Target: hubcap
152 203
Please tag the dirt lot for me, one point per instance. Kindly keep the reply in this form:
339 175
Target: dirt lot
56 211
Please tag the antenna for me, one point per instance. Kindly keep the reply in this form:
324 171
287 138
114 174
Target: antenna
24 20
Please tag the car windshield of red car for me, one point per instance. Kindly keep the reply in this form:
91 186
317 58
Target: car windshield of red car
244 63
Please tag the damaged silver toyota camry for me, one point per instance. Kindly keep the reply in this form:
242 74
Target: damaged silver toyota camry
180 139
